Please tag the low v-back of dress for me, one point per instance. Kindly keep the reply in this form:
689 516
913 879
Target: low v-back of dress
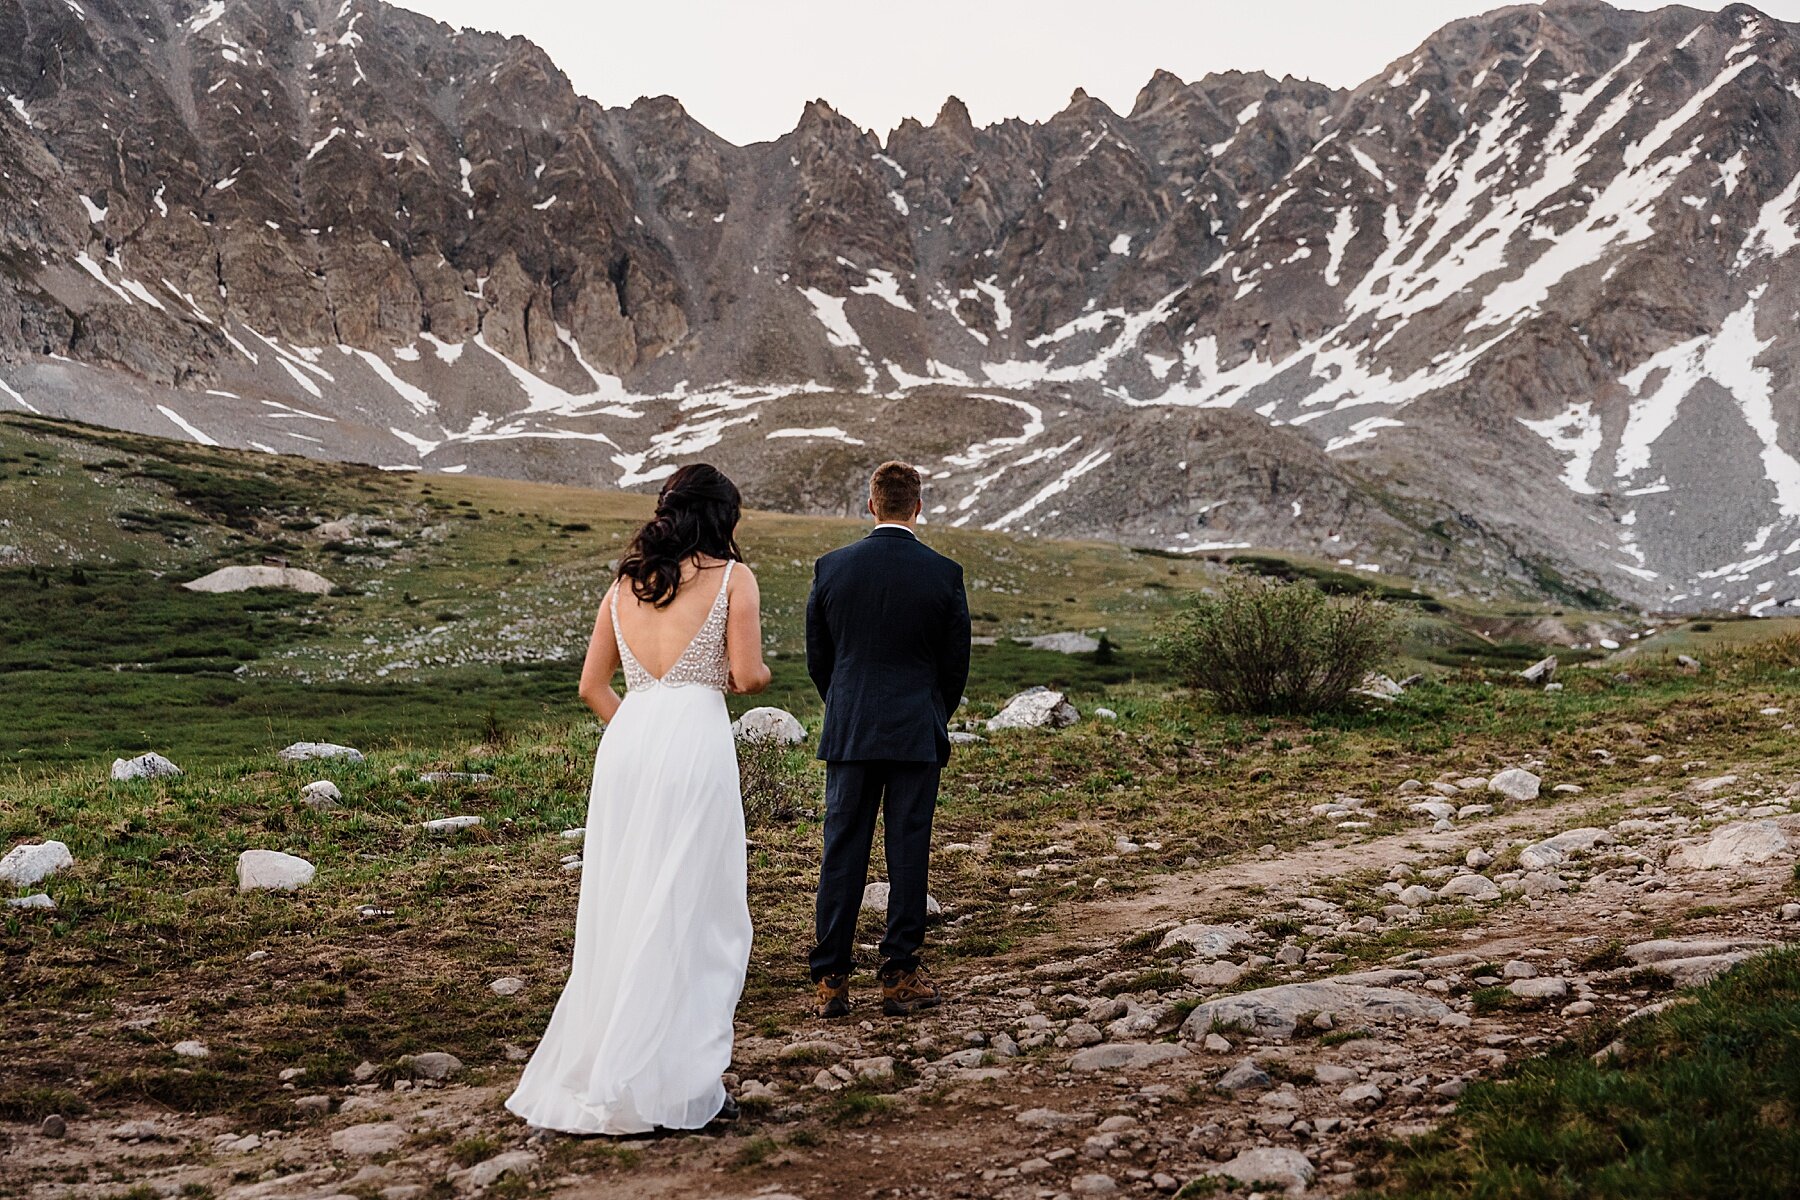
643 1030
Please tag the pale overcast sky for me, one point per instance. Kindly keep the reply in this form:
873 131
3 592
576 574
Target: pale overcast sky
744 68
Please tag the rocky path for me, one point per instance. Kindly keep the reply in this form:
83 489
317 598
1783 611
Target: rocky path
1268 1020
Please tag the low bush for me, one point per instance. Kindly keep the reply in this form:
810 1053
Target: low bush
779 783
1278 648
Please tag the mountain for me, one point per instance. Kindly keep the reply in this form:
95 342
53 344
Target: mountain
1515 317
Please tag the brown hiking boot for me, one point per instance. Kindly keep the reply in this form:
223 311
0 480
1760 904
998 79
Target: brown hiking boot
906 992
833 998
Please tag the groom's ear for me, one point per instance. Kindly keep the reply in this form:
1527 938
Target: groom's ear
870 505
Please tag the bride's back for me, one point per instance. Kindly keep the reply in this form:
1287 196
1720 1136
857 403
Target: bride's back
657 637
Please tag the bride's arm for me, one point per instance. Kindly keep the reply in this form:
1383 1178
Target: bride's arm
601 664
743 634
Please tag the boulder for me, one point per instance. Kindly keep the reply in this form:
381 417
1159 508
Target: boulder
960 738
243 579
449 824
1206 941
300 751
1470 887
507 985
144 766
434 1064
1515 783
321 793
1380 687
1035 708
875 899
1542 671
271 870
1062 643
1268 1164
367 1141
1546 987
32 862
488 1172
769 725
37 900
1275 1011
1746 843
1125 1056
1571 843
1243 1076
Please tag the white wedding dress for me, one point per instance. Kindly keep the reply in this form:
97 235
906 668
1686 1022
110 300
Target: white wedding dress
662 931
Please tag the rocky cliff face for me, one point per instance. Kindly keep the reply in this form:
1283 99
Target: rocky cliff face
1515 315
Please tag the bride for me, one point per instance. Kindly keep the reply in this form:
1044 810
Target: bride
643 1030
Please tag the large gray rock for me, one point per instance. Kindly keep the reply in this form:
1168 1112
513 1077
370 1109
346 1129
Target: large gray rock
1746 843
144 766
1275 1011
1061 643
1515 784
434 1064
367 1141
271 870
37 900
1470 887
1204 940
301 751
1243 1076
244 578
1035 708
769 725
33 862
488 1172
1279 1165
1121 1056
1570 844
1542 671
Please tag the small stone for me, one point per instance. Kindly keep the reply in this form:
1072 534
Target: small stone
878 1068
1478 858
191 1049
312 1106
37 900
1331 1073
1450 1089
1106 714
1790 912
1580 1008
1081 1033
875 899
365 1071
53 1126
1216 1044
1093 1185
321 793
1518 968
1361 1095
507 985
1125 1056
1417 895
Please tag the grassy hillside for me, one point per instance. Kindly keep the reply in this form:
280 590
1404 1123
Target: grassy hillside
464 604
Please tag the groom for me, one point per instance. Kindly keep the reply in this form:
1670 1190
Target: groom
887 645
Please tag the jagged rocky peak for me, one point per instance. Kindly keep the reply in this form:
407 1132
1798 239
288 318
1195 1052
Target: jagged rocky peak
1525 286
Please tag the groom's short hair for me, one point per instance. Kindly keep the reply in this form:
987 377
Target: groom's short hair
894 490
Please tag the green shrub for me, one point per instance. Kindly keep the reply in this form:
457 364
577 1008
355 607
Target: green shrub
1278 648
778 782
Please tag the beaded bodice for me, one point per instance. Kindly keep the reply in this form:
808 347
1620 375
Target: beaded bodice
701 664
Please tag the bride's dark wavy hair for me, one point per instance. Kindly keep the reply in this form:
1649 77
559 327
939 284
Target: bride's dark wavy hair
696 513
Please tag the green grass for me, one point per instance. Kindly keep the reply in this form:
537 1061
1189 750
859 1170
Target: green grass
1703 1103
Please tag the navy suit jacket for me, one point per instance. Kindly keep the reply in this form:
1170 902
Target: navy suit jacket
887 645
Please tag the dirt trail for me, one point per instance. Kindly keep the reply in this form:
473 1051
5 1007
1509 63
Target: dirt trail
987 1100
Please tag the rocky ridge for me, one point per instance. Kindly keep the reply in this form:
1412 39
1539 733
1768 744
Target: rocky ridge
1508 316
